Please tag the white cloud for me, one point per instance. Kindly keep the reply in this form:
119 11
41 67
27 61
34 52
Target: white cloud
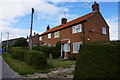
11 9
113 23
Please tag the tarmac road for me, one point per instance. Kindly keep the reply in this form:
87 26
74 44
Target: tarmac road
6 71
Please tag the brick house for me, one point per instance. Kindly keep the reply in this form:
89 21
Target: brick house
88 28
35 39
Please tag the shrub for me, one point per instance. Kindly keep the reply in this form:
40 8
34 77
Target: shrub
21 43
98 60
37 48
18 53
57 50
36 58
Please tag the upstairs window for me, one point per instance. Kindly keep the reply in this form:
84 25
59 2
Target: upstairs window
49 35
40 38
103 30
57 34
77 28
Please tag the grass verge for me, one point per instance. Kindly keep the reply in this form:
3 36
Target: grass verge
62 63
24 69
21 67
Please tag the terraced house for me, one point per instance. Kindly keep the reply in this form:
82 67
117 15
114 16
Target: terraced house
88 28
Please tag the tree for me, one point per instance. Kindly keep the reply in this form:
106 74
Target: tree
21 43
57 50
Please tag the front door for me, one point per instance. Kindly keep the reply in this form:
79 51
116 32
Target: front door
65 48
62 51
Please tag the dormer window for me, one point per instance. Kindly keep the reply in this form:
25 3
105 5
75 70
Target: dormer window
103 30
40 38
77 29
56 34
49 35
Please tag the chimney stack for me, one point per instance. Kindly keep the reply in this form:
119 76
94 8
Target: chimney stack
95 6
48 27
63 20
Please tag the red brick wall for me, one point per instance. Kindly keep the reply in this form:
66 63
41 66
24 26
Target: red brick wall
96 22
35 40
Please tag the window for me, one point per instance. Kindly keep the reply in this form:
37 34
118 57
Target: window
77 28
56 34
76 47
49 45
103 30
49 35
67 47
40 38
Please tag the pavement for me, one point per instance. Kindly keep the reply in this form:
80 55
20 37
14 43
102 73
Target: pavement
6 71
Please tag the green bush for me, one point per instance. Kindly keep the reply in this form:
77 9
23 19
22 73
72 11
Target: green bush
18 53
21 42
98 60
37 59
56 50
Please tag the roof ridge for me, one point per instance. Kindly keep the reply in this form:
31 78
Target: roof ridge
79 19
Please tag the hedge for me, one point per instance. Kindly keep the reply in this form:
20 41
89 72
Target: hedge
36 59
98 60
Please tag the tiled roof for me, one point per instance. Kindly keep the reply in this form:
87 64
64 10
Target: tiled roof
80 19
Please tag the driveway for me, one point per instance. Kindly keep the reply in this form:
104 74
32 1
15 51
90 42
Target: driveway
6 71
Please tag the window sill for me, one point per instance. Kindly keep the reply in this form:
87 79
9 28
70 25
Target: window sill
77 32
75 52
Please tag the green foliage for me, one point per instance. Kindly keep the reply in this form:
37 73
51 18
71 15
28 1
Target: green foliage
36 58
18 53
21 43
98 60
55 51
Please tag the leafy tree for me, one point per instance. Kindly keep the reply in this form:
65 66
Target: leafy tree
21 43
57 50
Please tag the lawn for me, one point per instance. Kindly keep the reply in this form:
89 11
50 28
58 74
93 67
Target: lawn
24 69
21 67
62 63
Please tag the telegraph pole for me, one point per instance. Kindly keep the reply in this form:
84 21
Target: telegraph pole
30 40
7 40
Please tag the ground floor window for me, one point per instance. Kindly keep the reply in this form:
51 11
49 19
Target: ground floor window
76 47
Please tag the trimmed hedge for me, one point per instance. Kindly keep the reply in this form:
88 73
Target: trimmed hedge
18 53
98 60
36 59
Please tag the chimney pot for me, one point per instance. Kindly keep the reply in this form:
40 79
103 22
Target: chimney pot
63 20
95 6
48 27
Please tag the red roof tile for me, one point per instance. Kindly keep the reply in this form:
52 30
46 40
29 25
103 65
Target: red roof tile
80 19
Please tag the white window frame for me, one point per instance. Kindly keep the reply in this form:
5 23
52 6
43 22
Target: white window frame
49 35
78 43
40 38
104 30
74 28
55 34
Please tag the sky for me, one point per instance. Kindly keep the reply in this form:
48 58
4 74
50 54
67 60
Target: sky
15 15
